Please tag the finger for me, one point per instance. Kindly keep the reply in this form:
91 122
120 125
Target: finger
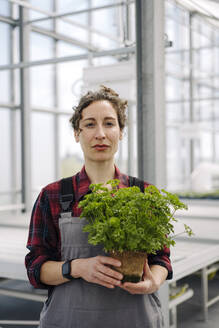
130 289
104 284
109 272
147 270
109 260
134 288
106 279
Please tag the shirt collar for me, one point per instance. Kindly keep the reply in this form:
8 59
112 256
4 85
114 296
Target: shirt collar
82 182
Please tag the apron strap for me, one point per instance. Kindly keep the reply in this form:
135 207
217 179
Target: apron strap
67 195
133 181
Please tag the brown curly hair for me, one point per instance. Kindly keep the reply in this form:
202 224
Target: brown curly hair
104 93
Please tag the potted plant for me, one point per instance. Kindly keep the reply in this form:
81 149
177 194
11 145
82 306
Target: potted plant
130 223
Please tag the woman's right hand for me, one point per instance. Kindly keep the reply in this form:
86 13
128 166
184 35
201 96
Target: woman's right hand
96 270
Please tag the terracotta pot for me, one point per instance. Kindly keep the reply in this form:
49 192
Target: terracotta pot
132 264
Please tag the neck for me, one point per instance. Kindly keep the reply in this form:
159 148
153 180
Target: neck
100 172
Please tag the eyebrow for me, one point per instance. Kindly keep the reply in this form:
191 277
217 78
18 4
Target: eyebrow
93 119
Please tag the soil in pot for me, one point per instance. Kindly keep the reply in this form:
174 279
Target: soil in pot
132 265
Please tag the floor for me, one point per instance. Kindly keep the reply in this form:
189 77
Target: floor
189 314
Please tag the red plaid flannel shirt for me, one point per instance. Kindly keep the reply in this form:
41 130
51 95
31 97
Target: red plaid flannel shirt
44 242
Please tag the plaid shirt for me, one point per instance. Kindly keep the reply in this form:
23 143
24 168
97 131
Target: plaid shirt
44 240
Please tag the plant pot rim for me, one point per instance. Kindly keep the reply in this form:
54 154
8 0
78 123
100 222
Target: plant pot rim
128 252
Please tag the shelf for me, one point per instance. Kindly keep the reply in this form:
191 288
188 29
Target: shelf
180 299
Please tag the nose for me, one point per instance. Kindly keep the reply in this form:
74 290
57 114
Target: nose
100 133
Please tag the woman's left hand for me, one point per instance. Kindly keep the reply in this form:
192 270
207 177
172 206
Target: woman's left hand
149 284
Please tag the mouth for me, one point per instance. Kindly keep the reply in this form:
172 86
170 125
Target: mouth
101 147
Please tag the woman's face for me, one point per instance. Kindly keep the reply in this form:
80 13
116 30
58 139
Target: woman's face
99 132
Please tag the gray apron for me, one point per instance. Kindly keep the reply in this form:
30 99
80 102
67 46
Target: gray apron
80 304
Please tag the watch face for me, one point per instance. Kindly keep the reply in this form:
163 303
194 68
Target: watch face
66 268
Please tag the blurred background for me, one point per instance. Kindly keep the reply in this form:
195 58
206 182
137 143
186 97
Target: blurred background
165 64
52 50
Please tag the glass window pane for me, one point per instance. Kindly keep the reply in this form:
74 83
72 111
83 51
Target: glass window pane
5 43
4 8
42 86
41 47
66 49
177 159
108 19
73 31
4 60
70 83
177 112
69 5
5 86
174 88
217 147
43 150
16 156
45 5
10 154
17 86
5 147
70 153
75 27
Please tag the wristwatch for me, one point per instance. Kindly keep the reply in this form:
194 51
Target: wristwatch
66 270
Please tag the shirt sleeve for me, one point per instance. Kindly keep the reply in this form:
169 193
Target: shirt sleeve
162 258
42 240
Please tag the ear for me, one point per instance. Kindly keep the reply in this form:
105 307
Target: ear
120 135
76 135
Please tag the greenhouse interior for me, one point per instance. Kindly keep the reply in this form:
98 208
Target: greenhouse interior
162 57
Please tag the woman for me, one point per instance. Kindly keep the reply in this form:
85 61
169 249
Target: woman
83 289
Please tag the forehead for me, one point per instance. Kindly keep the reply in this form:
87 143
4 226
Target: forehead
99 109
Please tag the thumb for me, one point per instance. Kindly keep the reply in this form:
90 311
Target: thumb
147 271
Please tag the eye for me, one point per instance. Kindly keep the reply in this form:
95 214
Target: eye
89 125
109 124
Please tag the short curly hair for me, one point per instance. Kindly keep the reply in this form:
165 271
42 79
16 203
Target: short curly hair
104 93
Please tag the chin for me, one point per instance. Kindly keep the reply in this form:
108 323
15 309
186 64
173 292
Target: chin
102 158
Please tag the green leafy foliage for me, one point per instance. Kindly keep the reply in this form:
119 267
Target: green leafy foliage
127 219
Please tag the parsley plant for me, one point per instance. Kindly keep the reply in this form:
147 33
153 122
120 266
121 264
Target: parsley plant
128 220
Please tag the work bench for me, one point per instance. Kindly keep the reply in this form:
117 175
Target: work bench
199 253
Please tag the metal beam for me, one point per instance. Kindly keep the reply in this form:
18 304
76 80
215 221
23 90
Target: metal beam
113 52
78 12
176 101
62 37
150 91
52 15
9 106
176 51
91 29
11 207
13 124
197 9
56 143
139 78
27 5
25 113
50 110
191 92
8 20
19 322
207 20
